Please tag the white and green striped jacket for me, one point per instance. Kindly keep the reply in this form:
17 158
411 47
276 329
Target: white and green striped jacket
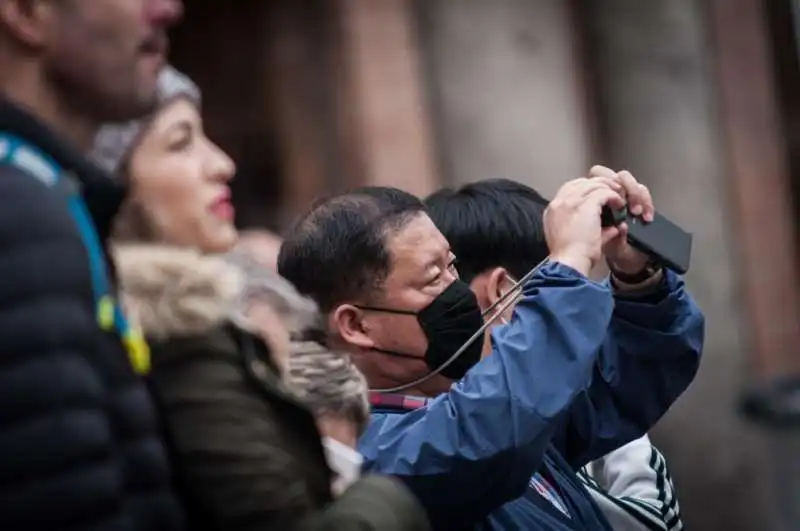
634 489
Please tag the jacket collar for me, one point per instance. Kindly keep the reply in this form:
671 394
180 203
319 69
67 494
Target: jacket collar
102 194
173 291
388 402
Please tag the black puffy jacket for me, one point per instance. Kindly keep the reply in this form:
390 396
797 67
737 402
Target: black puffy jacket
79 444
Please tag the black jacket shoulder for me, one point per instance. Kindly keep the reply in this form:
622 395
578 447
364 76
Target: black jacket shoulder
78 436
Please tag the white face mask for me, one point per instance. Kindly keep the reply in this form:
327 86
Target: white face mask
345 463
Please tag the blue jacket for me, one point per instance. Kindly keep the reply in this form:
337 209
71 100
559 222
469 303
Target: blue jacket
576 368
533 511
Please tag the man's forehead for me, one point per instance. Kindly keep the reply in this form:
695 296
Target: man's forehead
418 243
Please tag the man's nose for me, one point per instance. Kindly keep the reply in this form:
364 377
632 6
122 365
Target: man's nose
164 13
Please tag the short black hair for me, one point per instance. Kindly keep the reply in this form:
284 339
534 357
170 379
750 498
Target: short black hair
337 250
491 223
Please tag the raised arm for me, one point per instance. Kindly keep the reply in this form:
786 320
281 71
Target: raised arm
652 351
648 360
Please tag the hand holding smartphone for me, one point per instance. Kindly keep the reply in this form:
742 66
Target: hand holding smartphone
662 240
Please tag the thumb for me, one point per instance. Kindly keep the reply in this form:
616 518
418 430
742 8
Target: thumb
609 234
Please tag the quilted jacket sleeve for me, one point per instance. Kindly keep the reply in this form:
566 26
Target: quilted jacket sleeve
74 418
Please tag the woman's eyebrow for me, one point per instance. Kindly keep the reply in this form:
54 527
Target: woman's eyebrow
183 126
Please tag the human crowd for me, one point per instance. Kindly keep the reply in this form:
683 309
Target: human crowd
479 359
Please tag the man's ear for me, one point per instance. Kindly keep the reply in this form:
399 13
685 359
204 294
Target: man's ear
497 283
347 322
28 21
488 286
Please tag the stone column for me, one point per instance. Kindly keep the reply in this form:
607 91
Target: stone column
384 97
659 117
505 82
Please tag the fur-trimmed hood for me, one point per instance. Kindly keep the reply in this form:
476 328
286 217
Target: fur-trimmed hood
172 291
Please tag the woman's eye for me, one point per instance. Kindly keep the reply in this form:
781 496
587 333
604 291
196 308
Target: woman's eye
180 144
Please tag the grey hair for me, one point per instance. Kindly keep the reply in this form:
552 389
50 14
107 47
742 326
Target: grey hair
262 284
114 142
328 382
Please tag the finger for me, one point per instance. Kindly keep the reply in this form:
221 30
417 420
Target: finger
634 192
598 188
568 188
574 183
574 193
602 171
609 234
604 197
623 230
612 183
647 203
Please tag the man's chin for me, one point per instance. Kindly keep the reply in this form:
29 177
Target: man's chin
136 107
119 114
105 103
120 108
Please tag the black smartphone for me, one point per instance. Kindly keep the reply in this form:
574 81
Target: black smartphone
662 240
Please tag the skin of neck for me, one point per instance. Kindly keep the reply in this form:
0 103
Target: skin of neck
24 83
378 379
430 388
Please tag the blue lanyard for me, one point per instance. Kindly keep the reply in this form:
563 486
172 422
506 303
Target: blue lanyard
110 317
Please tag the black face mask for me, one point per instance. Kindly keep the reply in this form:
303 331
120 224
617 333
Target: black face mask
449 321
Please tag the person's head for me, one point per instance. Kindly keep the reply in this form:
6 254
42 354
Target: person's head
495 227
179 179
262 245
385 278
97 58
332 387
271 307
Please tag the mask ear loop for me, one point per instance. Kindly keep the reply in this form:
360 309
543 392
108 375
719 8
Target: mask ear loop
515 290
504 303
499 315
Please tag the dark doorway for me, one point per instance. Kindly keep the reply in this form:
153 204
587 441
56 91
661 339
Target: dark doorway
785 35
271 75
221 46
